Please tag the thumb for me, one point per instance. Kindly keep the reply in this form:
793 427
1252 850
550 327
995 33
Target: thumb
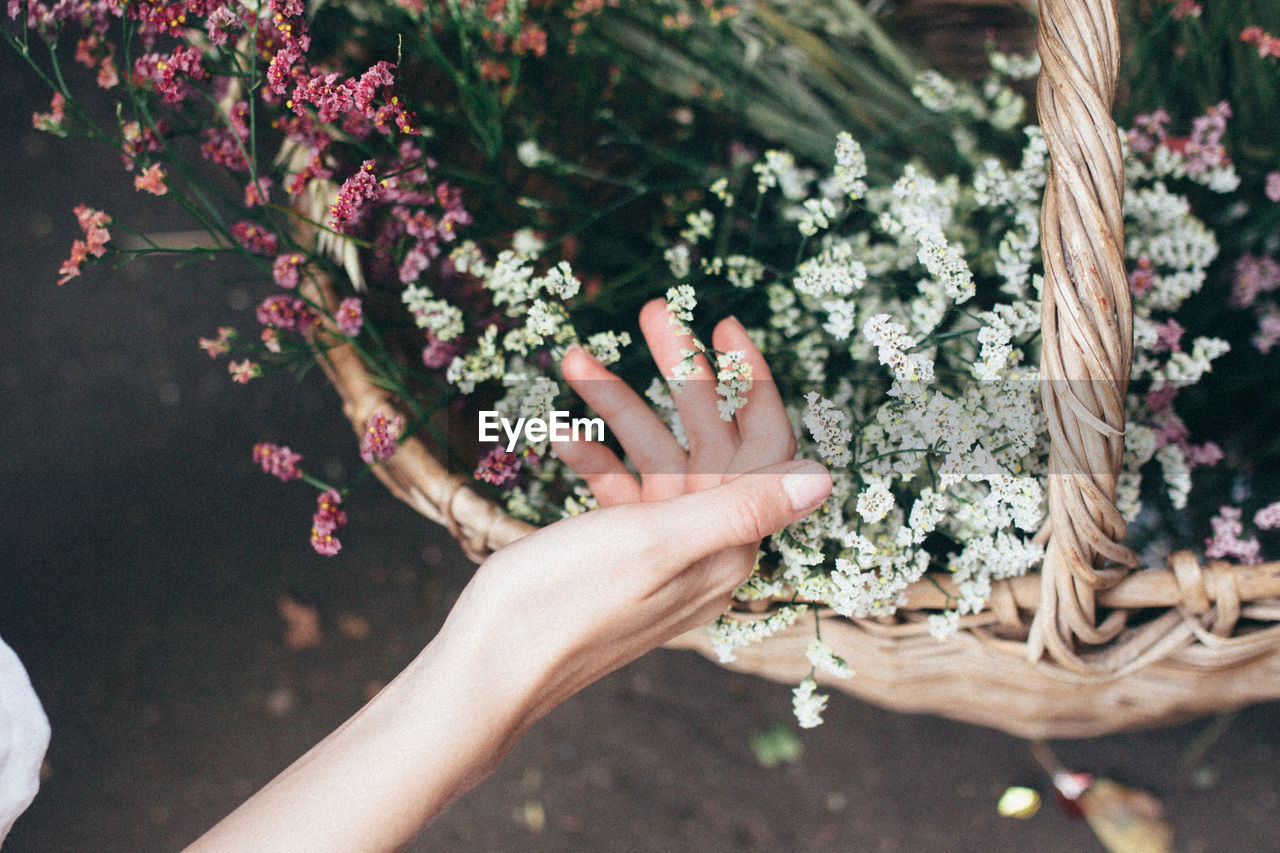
745 510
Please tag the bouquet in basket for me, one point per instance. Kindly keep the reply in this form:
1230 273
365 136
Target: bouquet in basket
457 192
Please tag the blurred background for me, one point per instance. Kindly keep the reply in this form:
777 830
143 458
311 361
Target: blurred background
188 644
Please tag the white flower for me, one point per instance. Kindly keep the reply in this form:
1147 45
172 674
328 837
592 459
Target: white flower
468 259
527 244
936 92
729 634
1013 66
817 215
678 259
699 225
560 281
825 660
435 315
511 282
829 428
996 349
743 271
943 625
840 318
851 166
807 704
928 510
778 169
607 346
720 189
733 381
530 154
681 300
1177 474
892 343
834 272
660 395
874 502
482 363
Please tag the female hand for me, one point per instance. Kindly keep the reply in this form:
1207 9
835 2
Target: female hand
664 552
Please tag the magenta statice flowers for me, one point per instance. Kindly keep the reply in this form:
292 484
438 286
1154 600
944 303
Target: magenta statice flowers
350 316
361 187
328 519
284 270
379 439
499 467
277 460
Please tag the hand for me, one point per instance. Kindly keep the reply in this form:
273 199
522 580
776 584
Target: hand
587 595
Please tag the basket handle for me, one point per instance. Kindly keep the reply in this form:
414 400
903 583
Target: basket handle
1087 326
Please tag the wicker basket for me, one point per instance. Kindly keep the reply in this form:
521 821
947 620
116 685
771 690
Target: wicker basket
1088 646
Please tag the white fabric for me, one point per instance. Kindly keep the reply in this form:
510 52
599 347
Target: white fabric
24 737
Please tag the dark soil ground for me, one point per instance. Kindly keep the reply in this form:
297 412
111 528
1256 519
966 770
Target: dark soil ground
142 559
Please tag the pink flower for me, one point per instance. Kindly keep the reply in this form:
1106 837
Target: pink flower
256 195
219 345
1226 542
243 371
1268 518
270 338
285 312
1203 148
328 518
285 269
1204 455
220 22
95 52
137 140
1168 336
1142 279
170 72
379 439
1255 275
1268 330
356 190
71 266
1268 45
1187 9
255 238
51 122
92 223
437 353
350 317
151 179
1273 186
277 460
1148 131
498 467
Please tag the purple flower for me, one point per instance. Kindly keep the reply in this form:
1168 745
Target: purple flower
328 518
356 190
498 467
380 435
277 460
285 269
350 317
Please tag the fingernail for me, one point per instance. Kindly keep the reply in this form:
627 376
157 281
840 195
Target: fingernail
572 348
807 485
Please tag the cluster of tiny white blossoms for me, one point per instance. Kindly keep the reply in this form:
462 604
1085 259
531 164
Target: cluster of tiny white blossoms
904 339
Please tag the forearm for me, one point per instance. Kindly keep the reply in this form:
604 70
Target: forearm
430 735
